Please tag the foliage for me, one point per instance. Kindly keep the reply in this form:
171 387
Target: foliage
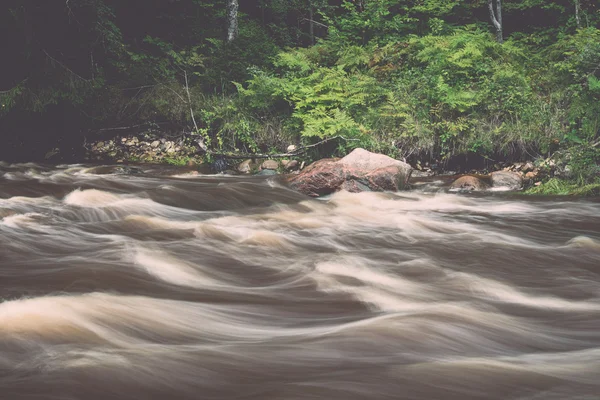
422 79
448 93
559 187
584 163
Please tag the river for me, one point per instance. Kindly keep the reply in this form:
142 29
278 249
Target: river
167 285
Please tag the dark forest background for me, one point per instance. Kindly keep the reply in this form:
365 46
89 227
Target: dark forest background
427 79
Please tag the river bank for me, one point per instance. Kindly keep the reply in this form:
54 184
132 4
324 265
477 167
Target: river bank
549 175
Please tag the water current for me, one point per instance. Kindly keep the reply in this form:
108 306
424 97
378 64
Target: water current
169 285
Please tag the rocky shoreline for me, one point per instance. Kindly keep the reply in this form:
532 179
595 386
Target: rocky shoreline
162 150
145 149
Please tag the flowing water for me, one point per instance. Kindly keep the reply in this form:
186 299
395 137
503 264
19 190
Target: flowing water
166 285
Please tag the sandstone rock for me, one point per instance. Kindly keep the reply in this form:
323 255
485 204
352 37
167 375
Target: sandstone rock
530 175
354 186
319 178
359 171
155 144
363 160
507 180
245 167
292 165
270 164
468 183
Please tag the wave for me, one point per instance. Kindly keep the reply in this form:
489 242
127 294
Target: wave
584 242
145 286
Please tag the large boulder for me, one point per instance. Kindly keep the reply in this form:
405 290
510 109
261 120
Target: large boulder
468 183
359 171
507 180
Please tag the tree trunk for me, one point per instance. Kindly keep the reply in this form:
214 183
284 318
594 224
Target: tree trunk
232 20
578 13
311 27
496 17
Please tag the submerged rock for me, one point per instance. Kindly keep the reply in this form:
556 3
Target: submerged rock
359 171
114 169
469 183
267 172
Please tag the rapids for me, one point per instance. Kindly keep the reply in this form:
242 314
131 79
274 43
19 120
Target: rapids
169 285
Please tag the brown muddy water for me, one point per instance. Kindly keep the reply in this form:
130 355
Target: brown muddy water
170 286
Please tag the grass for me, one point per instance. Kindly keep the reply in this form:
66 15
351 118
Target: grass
559 187
180 161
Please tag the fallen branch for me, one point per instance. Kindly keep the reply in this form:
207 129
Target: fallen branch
301 150
120 128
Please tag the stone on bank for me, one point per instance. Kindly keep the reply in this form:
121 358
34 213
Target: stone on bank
499 180
359 171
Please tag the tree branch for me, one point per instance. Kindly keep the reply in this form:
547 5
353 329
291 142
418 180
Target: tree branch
199 140
315 22
301 150
120 128
64 66
10 90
